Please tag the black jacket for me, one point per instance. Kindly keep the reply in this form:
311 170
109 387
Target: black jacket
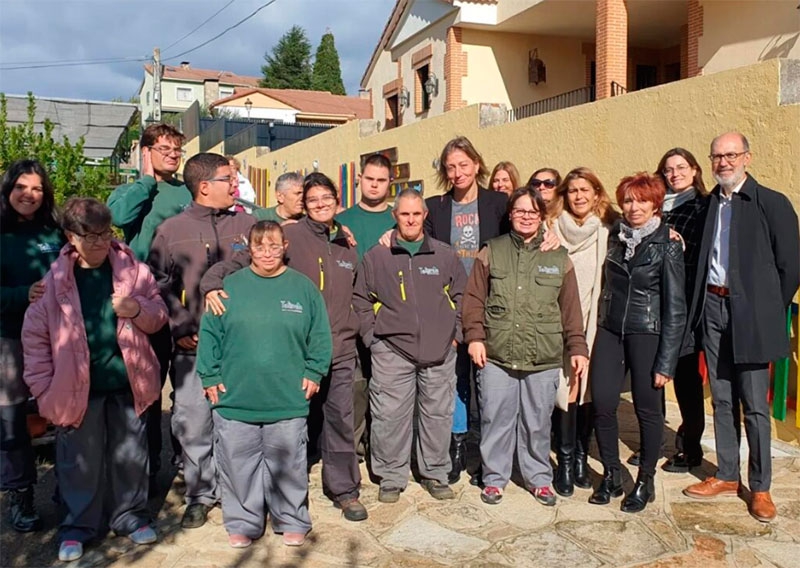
646 294
492 215
763 271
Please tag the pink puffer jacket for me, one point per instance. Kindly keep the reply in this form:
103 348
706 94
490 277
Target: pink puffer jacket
56 353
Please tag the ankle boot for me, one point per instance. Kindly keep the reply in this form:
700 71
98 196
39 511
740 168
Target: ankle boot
582 436
644 492
458 457
24 517
564 479
611 486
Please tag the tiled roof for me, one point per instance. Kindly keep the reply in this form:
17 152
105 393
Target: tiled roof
311 102
199 75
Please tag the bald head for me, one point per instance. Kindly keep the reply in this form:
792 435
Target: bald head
730 156
732 137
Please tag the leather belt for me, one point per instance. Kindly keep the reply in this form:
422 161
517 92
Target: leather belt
721 291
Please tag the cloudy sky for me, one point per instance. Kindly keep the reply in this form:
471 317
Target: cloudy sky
38 32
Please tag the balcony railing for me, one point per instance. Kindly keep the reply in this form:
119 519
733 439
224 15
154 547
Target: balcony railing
564 100
617 89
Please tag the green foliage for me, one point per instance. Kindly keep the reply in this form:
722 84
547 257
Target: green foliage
64 161
327 75
289 64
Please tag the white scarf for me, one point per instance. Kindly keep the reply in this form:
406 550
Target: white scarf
632 237
578 237
674 200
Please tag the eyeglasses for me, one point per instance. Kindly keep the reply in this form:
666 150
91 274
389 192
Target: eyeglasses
548 183
730 157
168 150
93 238
676 170
272 250
522 213
224 179
324 200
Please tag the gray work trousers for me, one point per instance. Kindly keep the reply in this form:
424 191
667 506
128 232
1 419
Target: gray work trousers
193 426
258 464
516 407
101 470
341 476
731 385
396 386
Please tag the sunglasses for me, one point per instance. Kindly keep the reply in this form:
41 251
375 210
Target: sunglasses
548 183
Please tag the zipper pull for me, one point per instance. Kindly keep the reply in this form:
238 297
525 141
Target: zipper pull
402 285
321 275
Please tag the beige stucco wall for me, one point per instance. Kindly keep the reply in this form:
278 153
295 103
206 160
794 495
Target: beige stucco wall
497 67
435 36
737 33
385 70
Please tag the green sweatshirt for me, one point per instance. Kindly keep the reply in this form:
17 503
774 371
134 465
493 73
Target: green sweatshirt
268 214
140 207
367 226
25 257
273 334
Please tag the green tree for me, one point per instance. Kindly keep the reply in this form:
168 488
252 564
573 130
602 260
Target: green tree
289 64
327 75
64 160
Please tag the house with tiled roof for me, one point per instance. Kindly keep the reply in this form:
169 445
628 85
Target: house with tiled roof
293 106
181 85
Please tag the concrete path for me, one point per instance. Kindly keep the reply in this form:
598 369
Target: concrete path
419 531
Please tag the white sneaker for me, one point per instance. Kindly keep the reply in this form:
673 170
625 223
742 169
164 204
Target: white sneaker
70 550
143 535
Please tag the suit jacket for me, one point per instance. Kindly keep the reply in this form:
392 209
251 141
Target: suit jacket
763 271
492 215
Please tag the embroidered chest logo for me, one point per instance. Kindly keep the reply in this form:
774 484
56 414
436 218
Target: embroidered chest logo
429 270
344 264
292 307
48 247
554 270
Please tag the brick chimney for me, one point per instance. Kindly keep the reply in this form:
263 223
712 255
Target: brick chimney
210 91
185 65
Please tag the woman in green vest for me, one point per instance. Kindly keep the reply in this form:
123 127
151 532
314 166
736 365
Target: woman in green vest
29 242
521 311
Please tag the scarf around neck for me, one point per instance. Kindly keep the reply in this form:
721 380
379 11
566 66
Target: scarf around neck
577 238
674 200
632 237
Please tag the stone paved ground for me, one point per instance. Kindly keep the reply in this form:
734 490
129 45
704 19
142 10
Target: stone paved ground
418 531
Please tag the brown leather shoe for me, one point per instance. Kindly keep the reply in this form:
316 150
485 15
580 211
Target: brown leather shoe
761 506
712 487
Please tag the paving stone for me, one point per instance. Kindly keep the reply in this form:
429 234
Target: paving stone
667 533
781 554
744 557
706 552
615 542
347 542
541 548
723 517
422 536
519 508
456 515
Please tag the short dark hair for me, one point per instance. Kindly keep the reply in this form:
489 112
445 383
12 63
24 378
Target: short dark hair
377 160
261 228
153 132
536 199
46 215
202 167
318 179
83 215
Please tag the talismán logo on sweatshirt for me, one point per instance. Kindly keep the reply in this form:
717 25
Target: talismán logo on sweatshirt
291 307
429 270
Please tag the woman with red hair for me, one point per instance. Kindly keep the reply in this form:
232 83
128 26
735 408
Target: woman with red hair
639 329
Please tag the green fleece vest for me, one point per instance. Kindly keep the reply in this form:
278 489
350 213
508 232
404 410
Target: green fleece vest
522 315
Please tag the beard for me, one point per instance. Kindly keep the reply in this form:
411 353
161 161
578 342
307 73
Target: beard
728 183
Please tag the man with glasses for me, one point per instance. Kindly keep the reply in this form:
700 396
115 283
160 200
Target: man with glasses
748 272
183 248
138 208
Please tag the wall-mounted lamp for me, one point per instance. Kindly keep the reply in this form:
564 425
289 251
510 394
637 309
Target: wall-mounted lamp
537 72
403 98
285 166
248 104
432 85
315 165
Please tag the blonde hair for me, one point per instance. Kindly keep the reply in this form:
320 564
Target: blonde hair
460 143
602 206
510 169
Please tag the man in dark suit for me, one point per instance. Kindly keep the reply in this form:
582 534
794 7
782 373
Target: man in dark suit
748 272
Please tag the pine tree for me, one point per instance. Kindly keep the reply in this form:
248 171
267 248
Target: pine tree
289 64
327 71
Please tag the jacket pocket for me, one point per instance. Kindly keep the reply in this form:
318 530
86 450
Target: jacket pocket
549 341
549 289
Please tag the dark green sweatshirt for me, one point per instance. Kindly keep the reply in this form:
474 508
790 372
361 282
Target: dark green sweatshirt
273 334
25 257
140 207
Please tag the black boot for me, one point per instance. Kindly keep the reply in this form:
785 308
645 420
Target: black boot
565 422
458 457
583 433
24 517
644 492
611 486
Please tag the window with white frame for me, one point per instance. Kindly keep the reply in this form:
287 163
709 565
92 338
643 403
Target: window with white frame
225 92
183 94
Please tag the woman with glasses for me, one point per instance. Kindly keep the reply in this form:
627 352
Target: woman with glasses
521 313
259 380
29 242
545 181
581 216
684 210
89 363
640 326
504 177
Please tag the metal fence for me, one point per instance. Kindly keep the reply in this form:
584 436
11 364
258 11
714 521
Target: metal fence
240 135
564 100
617 89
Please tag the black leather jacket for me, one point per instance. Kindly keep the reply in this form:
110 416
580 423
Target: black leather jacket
646 294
